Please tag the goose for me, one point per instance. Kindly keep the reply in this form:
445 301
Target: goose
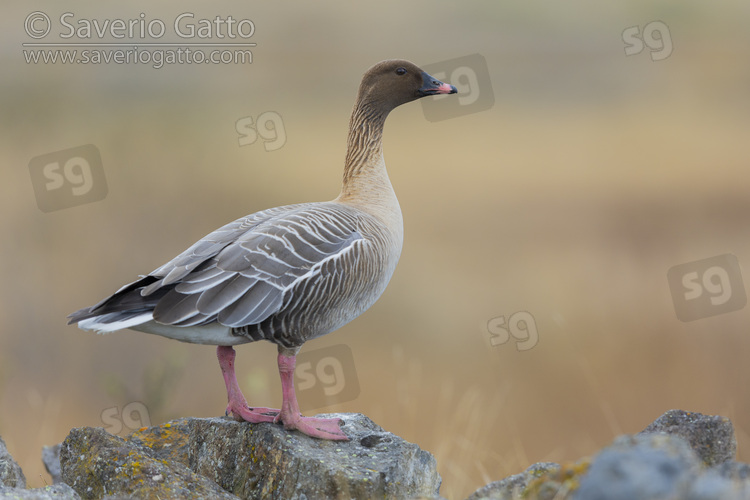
287 274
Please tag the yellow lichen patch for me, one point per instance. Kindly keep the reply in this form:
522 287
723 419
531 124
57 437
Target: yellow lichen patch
557 484
164 436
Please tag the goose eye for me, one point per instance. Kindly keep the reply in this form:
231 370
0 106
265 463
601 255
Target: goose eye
401 71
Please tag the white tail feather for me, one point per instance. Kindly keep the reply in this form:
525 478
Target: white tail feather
99 324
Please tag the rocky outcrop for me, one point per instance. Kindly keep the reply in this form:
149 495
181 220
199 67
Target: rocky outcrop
656 466
13 482
51 461
95 463
56 492
682 455
11 474
512 487
710 436
223 458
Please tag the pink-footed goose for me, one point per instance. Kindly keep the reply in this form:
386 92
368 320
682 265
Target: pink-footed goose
287 274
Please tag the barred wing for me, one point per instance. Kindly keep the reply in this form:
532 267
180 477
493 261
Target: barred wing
241 275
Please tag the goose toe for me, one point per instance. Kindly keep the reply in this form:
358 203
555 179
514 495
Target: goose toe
322 428
252 415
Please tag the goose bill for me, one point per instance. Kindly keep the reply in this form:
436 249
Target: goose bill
433 86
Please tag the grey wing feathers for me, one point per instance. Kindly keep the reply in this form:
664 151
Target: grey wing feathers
242 273
207 247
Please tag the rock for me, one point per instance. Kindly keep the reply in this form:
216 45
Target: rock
95 463
266 461
51 461
511 487
247 460
13 482
710 436
682 455
712 486
645 467
557 482
56 492
10 472
656 466
734 470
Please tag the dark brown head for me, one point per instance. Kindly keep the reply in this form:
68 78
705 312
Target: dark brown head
394 82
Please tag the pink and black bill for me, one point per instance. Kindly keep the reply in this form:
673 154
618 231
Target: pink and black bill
433 86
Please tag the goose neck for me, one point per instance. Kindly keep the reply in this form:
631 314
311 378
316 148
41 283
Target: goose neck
364 166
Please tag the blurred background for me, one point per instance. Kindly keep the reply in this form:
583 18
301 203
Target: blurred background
609 145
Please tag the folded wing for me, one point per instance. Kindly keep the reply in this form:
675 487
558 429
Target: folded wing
241 273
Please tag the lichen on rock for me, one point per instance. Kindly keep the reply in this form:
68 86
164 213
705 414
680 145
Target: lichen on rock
223 458
11 474
682 455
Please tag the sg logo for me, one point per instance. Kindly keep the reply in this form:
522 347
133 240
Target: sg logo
707 287
68 178
274 136
661 46
325 377
520 326
133 416
470 76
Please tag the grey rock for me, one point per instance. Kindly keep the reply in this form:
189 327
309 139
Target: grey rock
713 486
734 470
56 492
681 456
512 487
198 457
266 461
643 467
95 463
710 436
10 472
51 461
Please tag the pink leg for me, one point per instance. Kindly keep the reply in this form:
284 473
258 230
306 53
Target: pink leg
290 416
237 405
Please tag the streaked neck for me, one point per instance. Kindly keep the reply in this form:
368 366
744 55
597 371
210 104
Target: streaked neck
365 178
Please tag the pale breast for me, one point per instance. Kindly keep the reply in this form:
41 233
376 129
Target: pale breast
341 287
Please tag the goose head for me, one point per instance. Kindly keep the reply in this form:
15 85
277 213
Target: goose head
394 82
